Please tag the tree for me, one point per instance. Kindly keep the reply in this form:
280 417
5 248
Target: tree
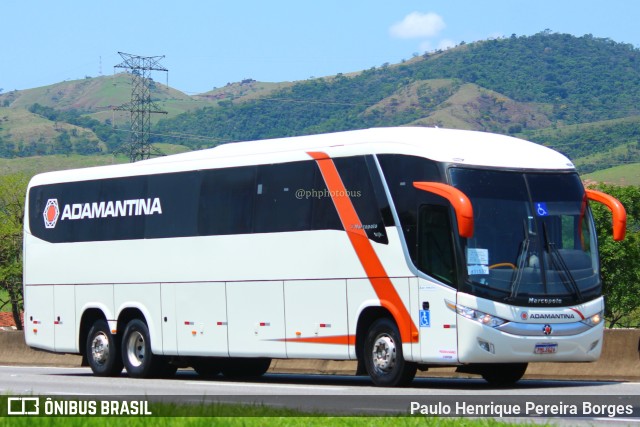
63 143
620 261
12 194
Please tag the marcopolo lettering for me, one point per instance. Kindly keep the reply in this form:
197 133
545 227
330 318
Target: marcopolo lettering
113 209
545 300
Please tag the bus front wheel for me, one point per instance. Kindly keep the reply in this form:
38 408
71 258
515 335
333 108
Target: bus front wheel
102 350
383 357
503 374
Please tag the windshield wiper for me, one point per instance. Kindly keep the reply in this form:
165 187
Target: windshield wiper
558 264
523 253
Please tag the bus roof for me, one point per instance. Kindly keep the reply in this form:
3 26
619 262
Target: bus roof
445 145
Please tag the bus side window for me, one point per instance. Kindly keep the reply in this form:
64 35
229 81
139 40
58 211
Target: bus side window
226 201
435 243
324 215
277 206
356 176
400 171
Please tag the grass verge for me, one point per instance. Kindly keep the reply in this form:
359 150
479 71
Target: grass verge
186 415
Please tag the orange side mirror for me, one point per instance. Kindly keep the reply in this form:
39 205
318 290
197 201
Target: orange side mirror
460 202
617 210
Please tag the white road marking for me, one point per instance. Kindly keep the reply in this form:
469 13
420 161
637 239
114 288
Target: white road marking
254 385
43 367
68 393
386 411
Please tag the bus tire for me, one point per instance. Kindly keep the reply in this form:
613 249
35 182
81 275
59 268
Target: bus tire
164 369
103 351
138 359
245 367
206 367
383 356
503 374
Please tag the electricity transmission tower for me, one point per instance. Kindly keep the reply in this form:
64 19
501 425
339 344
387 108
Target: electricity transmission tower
141 107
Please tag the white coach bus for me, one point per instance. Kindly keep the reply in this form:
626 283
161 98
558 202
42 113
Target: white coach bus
402 248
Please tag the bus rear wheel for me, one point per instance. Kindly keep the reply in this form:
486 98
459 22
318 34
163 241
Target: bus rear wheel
383 357
102 350
138 359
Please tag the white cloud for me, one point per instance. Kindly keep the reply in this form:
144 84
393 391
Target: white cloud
417 25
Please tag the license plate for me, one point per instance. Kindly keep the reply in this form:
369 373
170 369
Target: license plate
545 348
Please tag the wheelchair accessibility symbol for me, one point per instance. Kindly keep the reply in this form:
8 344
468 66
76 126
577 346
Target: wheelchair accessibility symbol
425 319
541 209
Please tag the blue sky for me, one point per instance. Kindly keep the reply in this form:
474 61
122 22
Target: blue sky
208 43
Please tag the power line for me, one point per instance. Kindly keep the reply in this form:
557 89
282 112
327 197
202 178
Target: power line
182 136
306 101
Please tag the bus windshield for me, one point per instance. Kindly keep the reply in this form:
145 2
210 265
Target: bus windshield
534 239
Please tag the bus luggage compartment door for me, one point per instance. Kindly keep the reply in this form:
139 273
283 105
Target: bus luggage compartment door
256 319
201 318
64 318
38 317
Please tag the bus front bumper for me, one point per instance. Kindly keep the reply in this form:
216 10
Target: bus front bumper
478 343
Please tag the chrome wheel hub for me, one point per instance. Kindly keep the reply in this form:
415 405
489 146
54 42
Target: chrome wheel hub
100 348
384 353
135 349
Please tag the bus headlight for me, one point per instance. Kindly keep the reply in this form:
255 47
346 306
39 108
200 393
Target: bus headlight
594 320
477 315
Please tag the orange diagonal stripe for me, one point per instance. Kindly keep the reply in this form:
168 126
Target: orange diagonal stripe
369 260
335 339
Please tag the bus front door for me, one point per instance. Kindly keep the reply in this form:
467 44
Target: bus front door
435 258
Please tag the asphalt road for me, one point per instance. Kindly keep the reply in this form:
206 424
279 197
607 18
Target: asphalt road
339 394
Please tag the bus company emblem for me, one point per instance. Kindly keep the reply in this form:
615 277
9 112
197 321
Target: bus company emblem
546 329
524 315
51 213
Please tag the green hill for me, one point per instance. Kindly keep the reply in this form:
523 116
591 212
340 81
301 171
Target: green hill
628 174
473 107
580 95
37 164
594 146
244 90
517 85
24 132
88 95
